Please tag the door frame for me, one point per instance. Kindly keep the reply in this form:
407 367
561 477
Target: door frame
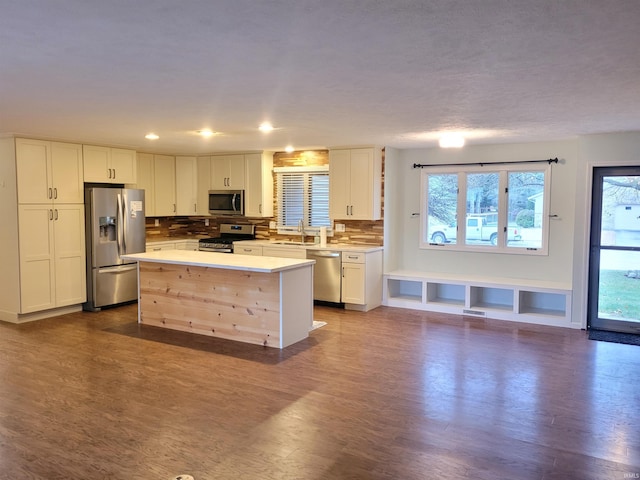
581 272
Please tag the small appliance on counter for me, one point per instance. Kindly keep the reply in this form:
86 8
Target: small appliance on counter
229 233
115 226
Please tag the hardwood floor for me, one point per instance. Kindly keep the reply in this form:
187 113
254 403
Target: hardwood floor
390 394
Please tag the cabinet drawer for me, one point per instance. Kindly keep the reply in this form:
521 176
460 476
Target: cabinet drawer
242 250
158 246
284 252
353 257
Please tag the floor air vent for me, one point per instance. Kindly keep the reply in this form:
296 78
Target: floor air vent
473 312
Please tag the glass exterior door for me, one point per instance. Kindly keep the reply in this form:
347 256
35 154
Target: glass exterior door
614 265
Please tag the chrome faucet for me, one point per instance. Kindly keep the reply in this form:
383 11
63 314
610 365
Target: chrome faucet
301 230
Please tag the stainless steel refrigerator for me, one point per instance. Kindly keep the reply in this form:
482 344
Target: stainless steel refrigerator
114 226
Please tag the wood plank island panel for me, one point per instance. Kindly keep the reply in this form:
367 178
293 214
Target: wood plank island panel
231 304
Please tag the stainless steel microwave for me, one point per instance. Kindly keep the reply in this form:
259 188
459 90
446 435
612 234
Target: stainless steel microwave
226 202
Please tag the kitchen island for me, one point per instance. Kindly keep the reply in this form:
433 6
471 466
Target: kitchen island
261 300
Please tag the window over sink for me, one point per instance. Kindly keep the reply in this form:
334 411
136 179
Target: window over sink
303 196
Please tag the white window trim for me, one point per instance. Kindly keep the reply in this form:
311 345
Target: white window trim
503 170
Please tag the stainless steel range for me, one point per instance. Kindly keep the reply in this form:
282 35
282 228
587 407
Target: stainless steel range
229 233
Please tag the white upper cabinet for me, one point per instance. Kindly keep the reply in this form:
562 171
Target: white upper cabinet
227 172
355 178
109 165
164 185
157 177
258 200
186 185
203 182
180 185
145 182
49 172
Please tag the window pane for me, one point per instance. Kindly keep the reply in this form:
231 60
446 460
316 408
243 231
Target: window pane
526 209
618 285
292 199
442 204
319 201
620 211
482 209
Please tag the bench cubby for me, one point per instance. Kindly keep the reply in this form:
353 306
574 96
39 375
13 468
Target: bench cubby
546 303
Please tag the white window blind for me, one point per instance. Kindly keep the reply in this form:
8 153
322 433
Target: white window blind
303 194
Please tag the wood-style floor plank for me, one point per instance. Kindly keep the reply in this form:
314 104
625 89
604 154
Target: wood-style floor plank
388 394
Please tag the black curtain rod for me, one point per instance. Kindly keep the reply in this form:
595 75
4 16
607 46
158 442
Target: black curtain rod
422 165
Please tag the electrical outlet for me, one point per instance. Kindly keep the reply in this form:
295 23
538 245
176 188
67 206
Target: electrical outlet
206 222
272 225
157 222
339 227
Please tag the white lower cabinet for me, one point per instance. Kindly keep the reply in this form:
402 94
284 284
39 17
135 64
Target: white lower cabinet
172 245
353 283
291 252
362 280
248 250
52 256
158 246
187 245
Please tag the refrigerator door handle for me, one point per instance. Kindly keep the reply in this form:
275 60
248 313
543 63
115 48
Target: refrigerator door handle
119 226
119 269
123 220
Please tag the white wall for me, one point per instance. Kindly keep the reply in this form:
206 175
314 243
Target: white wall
615 149
404 238
567 261
9 259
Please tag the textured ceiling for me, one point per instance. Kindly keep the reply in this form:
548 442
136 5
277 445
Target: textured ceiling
325 73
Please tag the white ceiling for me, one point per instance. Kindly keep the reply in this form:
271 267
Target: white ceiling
324 72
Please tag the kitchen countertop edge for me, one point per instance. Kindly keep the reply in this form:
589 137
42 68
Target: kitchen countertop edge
220 260
312 246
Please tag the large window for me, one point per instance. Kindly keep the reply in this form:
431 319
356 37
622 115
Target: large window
303 196
505 208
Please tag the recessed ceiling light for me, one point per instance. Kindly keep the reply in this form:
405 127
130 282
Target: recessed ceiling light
451 140
265 127
151 136
289 149
206 132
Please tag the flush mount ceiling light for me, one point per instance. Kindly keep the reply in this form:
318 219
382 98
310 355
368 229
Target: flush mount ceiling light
205 132
265 127
151 136
289 149
451 140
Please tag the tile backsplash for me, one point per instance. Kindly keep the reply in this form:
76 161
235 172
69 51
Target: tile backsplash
356 232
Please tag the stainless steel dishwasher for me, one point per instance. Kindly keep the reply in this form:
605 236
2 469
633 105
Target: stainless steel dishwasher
327 275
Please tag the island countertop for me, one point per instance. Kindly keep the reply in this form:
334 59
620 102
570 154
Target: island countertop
221 260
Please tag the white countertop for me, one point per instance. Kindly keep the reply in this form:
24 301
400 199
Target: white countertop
312 246
221 260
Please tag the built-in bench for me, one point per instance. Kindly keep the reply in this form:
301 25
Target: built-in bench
545 303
